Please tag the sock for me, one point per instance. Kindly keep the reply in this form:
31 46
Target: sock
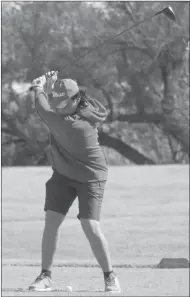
47 272
107 274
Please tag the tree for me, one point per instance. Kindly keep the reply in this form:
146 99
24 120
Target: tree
128 74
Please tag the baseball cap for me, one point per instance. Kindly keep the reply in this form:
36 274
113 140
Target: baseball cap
65 88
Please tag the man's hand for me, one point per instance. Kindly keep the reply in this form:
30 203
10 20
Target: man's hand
51 78
45 82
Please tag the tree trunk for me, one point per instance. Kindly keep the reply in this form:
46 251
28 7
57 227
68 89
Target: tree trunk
172 59
124 149
174 123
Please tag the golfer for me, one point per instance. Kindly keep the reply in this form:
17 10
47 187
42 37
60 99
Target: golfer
79 170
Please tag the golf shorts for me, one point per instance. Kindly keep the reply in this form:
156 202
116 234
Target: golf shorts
62 191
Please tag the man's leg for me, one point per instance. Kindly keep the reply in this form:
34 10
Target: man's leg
59 198
90 202
98 243
53 221
99 247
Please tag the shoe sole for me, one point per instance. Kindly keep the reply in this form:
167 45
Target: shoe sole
114 292
41 290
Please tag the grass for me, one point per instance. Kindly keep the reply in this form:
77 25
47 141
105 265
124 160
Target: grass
145 217
89 282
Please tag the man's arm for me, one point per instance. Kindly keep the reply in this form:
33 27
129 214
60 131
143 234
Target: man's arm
48 115
43 86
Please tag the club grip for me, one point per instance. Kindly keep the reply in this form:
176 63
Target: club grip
32 87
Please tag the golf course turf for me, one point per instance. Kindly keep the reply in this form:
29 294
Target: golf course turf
145 217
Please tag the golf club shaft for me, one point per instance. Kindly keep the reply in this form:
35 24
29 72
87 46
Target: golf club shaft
111 38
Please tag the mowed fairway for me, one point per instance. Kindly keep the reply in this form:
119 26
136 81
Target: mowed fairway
145 217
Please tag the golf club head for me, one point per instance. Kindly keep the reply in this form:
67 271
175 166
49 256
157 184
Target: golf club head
168 12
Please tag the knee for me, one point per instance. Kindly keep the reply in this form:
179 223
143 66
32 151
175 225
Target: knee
53 219
90 226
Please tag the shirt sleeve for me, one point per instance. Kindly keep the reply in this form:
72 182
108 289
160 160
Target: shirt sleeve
53 120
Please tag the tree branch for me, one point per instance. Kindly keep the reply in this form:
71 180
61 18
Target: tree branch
155 118
7 131
132 48
124 45
124 149
96 83
17 132
133 19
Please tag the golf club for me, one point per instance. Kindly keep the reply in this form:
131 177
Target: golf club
167 11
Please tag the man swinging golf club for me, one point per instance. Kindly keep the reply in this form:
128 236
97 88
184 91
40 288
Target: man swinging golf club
79 169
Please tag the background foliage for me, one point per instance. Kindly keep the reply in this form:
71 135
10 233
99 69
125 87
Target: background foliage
141 76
